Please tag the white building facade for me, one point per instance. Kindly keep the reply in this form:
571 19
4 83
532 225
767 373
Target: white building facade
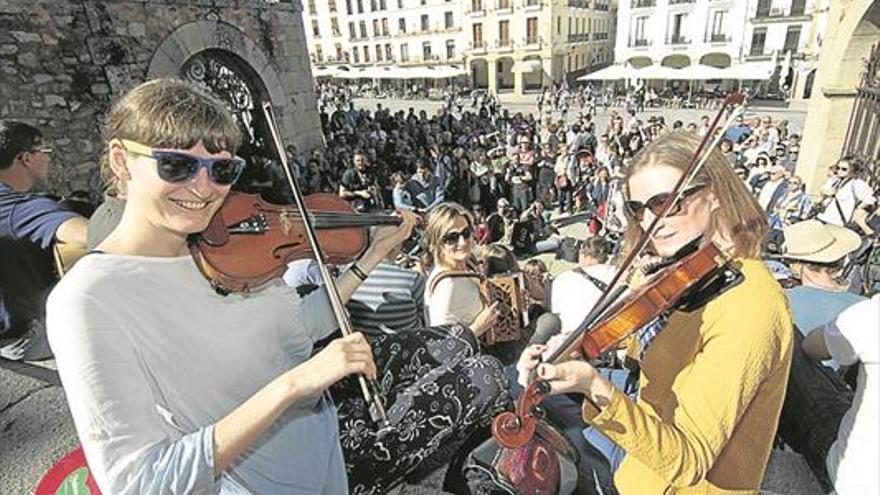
384 32
723 33
506 46
516 46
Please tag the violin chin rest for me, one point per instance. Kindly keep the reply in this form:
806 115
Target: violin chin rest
216 233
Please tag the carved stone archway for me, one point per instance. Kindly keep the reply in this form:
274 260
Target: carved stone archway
194 38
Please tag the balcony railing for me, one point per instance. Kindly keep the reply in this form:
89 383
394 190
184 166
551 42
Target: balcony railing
577 38
718 38
532 42
638 4
579 4
600 36
677 40
677 2
533 4
639 43
504 45
477 46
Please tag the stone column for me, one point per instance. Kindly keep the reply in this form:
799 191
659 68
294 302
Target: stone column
848 40
491 69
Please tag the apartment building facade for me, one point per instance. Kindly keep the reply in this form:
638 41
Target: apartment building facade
517 46
784 34
788 33
383 32
506 46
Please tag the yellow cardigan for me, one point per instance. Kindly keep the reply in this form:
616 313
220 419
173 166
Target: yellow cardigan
712 386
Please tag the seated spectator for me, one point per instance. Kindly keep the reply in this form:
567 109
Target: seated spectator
454 299
846 194
575 291
390 300
795 206
852 340
400 195
425 188
30 225
359 186
482 233
773 189
816 253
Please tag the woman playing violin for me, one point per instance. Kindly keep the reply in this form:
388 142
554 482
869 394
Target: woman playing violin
713 379
176 389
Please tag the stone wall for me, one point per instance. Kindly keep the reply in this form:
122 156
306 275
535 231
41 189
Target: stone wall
62 63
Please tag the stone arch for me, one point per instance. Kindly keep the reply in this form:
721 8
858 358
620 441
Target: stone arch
716 59
852 30
533 79
676 60
639 62
504 73
480 73
196 37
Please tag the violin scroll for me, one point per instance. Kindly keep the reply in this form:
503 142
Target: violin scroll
514 429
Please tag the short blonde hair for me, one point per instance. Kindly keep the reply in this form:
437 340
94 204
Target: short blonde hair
173 114
739 217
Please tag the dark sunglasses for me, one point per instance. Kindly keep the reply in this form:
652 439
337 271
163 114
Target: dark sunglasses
177 166
451 238
636 209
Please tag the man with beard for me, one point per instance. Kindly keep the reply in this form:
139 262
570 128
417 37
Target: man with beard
29 226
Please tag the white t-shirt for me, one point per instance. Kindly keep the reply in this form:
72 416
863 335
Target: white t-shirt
572 295
151 357
853 458
453 300
854 192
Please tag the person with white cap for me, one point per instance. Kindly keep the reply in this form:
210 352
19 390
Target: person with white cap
852 339
816 253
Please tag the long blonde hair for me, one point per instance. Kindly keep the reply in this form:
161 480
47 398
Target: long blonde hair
169 113
440 220
739 217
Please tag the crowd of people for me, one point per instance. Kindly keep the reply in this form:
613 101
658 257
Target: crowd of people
175 387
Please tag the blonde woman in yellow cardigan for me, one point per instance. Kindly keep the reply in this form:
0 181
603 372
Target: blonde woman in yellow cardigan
712 380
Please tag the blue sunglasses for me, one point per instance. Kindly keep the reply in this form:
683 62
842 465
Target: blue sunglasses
177 166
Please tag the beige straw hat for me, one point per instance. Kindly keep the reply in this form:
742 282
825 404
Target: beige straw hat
816 242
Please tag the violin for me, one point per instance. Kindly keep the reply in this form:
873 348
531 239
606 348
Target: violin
249 241
614 316
668 288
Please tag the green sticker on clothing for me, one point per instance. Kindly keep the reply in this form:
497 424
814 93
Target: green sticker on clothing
75 483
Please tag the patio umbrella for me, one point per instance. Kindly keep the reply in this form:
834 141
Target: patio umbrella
609 73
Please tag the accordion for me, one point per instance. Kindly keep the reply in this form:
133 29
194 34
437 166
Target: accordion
509 291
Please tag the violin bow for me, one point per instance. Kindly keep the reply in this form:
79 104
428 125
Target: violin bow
369 389
696 163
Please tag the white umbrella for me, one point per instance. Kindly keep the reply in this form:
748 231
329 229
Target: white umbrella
700 72
760 71
609 73
657 72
